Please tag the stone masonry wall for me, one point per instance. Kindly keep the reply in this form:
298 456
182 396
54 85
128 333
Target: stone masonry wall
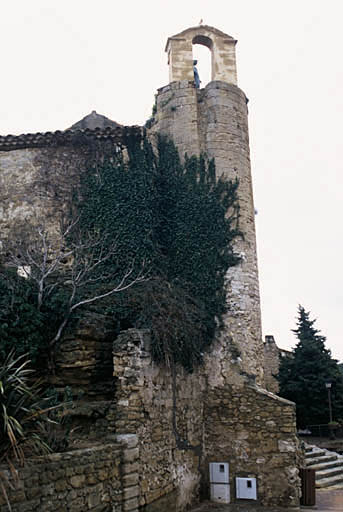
183 423
163 429
254 431
214 121
36 185
271 364
98 479
166 414
84 358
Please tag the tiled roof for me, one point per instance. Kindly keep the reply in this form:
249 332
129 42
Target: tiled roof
94 120
93 126
61 138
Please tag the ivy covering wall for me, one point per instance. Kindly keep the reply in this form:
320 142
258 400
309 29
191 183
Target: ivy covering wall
179 222
173 223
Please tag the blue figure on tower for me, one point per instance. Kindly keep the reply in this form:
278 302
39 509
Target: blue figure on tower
197 80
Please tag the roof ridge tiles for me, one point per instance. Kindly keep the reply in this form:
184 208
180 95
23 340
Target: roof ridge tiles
41 139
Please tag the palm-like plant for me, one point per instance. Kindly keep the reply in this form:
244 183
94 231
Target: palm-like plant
22 414
22 410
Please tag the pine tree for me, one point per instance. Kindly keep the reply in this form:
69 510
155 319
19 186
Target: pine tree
302 375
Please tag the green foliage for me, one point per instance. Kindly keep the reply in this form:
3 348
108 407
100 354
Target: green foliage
25 417
22 410
136 209
59 428
23 326
179 221
302 375
151 119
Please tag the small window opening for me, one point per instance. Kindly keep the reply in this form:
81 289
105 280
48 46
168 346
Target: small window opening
221 468
249 484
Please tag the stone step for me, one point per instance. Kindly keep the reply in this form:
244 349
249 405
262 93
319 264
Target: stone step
315 453
329 482
329 472
320 460
327 465
308 448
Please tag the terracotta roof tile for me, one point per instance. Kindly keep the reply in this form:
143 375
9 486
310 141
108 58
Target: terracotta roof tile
60 138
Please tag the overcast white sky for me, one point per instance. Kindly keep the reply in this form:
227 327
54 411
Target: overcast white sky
62 59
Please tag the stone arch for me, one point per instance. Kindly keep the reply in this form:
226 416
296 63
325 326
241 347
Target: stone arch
221 45
204 40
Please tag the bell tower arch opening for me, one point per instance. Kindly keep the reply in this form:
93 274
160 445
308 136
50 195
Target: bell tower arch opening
222 55
202 52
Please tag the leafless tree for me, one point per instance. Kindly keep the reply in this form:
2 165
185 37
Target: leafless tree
74 261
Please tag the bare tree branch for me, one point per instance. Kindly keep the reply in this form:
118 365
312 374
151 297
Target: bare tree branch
73 262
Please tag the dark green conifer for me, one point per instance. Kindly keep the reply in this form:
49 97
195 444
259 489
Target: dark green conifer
303 374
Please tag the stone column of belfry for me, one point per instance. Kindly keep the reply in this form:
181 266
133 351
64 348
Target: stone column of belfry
214 121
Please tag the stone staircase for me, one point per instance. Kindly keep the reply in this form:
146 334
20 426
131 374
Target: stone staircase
328 466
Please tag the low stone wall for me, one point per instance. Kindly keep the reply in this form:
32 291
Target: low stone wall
254 431
98 479
164 428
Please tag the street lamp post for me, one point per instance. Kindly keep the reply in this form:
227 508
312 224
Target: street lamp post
328 385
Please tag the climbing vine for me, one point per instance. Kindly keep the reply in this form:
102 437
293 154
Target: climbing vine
23 326
168 225
178 220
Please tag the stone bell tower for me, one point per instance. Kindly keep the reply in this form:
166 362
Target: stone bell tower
221 46
214 121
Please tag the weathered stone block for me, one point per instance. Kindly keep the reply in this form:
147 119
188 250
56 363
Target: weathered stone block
131 479
131 492
130 467
131 505
77 481
93 500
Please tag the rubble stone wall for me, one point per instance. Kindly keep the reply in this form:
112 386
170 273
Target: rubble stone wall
84 358
39 180
36 185
165 411
253 430
99 479
183 423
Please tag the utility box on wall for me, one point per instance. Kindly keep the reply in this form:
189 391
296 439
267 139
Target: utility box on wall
220 493
246 488
219 482
219 472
